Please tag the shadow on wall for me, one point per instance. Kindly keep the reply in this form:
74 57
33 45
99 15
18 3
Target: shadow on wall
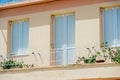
39 56
88 12
40 19
43 19
3 34
82 13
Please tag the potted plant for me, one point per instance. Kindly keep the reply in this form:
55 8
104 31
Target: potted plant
7 64
86 60
100 58
91 58
112 53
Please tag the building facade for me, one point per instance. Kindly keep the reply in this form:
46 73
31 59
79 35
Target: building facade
52 34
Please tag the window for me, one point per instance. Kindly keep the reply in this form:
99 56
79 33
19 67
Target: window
19 34
64 39
111 26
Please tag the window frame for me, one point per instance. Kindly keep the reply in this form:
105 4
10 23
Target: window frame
100 21
9 34
51 32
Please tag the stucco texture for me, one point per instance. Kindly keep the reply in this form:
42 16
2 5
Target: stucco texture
87 34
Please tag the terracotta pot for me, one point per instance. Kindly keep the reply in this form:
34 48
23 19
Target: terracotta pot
100 61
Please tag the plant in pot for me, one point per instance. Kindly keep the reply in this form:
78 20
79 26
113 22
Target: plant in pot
91 58
7 64
86 60
116 57
101 56
112 53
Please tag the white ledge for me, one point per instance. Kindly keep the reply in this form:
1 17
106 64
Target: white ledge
68 67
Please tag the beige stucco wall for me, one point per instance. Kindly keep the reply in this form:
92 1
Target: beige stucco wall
87 35
69 73
87 32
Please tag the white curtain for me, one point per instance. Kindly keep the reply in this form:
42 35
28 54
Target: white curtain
118 24
19 37
58 39
71 39
111 26
64 39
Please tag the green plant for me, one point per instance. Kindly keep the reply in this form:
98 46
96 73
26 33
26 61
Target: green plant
113 53
90 59
95 55
116 57
100 55
8 64
11 64
105 53
19 64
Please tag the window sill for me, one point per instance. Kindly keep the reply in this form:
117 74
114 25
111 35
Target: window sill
17 55
68 67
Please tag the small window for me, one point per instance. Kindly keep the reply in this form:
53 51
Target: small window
111 26
19 36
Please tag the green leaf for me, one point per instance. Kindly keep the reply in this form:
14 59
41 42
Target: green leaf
98 53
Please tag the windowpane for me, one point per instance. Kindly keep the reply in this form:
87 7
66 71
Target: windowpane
118 21
111 26
58 39
19 37
64 39
71 38
108 27
25 35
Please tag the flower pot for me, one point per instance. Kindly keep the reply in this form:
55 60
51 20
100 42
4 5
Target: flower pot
100 61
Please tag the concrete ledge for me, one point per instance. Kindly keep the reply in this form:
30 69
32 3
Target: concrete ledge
68 67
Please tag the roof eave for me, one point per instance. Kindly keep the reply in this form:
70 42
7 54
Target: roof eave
24 3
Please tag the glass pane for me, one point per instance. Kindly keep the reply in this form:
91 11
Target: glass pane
109 29
71 38
25 35
19 37
64 39
59 39
118 24
14 38
59 32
